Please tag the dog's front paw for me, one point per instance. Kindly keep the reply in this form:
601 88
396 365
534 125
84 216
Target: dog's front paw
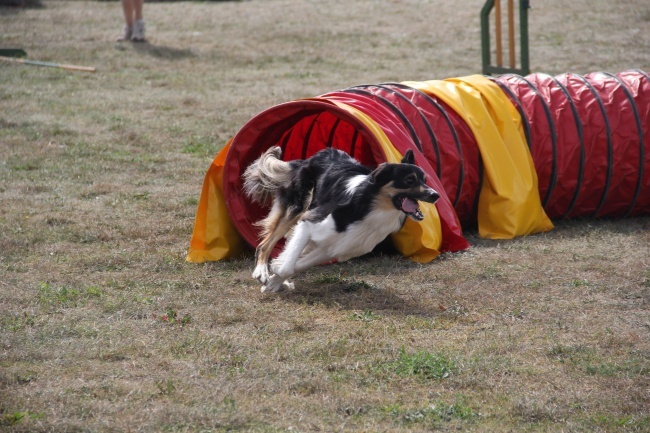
276 284
281 268
261 273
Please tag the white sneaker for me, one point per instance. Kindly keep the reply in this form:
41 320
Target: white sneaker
126 36
138 31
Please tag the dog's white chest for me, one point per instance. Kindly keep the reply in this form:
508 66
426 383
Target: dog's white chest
359 238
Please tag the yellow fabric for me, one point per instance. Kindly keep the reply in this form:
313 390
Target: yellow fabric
419 241
509 202
214 236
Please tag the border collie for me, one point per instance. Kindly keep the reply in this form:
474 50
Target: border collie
330 207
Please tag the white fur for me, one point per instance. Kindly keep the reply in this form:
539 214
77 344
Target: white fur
354 182
261 273
314 243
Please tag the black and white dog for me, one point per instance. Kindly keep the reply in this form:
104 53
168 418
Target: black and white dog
330 207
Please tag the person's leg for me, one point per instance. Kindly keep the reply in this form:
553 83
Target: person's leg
137 6
138 24
127 9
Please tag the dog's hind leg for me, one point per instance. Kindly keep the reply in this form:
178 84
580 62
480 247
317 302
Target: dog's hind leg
279 223
284 266
263 252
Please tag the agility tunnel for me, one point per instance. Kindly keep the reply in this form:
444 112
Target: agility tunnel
507 154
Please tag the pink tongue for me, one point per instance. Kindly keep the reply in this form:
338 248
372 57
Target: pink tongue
409 205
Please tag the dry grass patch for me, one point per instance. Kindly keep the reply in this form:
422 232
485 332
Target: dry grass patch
105 327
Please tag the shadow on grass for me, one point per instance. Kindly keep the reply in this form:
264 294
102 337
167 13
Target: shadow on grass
163 52
570 229
14 6
355 295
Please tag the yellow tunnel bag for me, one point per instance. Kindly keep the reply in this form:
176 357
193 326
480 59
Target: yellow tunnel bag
509 202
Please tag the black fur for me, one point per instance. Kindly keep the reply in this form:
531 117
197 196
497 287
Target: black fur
327 174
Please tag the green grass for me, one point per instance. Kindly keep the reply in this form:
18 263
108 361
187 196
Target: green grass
200 146
12 419
422 365
66 297
593 363
433 414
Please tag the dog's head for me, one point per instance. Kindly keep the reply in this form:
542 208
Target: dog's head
405 185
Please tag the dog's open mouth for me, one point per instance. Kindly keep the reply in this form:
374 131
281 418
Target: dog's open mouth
411 208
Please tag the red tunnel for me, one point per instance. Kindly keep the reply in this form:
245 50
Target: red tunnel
588 136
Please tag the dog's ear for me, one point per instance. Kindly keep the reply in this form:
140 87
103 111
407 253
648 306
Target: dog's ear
381 175
409 158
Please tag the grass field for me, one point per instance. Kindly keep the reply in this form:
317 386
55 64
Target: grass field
104 326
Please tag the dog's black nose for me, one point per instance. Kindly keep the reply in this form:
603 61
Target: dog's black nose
433 196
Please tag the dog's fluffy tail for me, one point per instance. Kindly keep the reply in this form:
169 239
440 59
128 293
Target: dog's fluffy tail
266 175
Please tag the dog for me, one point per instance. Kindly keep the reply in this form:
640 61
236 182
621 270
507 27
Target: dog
330 208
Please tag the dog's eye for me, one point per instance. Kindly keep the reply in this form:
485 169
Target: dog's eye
410 181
